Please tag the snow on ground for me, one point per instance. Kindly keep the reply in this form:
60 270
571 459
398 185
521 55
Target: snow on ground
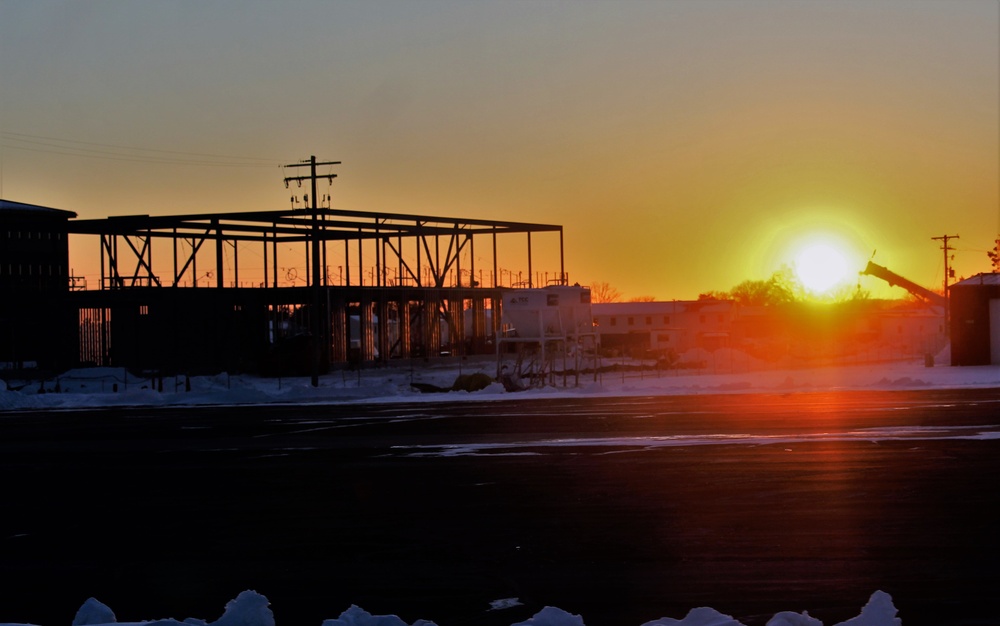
107 387
252 609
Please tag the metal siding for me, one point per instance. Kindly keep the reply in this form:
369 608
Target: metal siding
994 330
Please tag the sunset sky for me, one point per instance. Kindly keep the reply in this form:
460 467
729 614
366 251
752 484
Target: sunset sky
684 146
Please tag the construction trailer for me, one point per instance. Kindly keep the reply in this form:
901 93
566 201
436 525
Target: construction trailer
975 320
545 334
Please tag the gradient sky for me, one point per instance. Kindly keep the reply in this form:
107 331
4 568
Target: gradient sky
684 146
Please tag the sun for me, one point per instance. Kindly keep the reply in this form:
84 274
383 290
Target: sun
819 251
820 267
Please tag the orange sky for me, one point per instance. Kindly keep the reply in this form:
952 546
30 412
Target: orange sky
685 146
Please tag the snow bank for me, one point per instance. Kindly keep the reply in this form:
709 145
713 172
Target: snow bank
108 387
252 609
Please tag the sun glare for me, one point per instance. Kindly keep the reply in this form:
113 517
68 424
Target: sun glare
820 267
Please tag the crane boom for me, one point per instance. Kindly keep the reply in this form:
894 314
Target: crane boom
895 280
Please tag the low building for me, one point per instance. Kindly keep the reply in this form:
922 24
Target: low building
975 320
658 328
794 334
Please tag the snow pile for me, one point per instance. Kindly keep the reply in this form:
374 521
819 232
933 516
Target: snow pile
251 609
94 612
356 616
879 611
247 609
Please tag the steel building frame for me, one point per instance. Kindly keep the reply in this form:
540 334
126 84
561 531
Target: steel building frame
399 317
134 234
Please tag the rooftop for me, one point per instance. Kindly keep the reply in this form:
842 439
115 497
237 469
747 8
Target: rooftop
979 279
8 205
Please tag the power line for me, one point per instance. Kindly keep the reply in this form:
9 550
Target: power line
140 160
27 137
114 152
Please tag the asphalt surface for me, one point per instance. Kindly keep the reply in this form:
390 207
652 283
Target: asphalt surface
620 510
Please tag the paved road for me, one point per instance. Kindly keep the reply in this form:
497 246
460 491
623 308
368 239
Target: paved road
620 510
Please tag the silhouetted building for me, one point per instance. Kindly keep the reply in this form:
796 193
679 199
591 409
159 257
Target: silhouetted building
36 324
975 320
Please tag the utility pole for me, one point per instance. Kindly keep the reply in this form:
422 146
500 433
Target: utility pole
319 353
948 272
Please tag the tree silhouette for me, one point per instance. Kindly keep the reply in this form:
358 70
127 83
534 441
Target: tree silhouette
603 292
782 288
769 292
773 291
994 255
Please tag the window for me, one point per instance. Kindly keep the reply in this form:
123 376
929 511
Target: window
649 320
143 309
614 321
631 321
666 319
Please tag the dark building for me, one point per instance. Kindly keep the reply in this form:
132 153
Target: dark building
975 320
36 324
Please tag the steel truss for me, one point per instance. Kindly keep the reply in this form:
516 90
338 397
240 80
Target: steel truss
419 251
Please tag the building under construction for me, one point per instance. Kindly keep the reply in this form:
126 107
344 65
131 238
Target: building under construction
403 286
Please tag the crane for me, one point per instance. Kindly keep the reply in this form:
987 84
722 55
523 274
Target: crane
894 280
